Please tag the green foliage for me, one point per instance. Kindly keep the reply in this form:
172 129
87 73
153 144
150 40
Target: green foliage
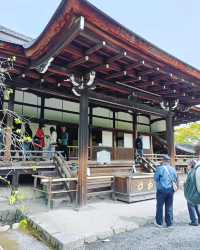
15 197
188 135
23 224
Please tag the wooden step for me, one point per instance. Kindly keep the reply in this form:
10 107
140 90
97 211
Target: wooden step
52 173
55 186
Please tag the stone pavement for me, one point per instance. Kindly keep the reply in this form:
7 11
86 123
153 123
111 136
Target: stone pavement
70 229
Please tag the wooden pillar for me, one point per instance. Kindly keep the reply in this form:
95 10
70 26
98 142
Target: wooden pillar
42 109
15 180
170 138
83 149
134 133
114 137
1 102
8 129
90 129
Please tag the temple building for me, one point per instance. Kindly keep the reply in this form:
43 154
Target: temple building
105 83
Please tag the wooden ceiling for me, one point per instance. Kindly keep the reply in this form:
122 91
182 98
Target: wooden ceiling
80 38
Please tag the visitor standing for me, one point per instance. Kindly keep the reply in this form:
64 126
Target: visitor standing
165 177
63 141
192 189
28 136
193 209
139 146
39 139
52 142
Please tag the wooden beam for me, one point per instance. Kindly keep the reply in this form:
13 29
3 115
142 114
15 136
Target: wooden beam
96 48
116 75
116 57
78 62
76 28
126 104
140 93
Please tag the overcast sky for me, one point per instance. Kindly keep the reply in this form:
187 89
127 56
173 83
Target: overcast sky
173 25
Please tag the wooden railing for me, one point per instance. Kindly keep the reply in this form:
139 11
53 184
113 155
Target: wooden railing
181 160
49 181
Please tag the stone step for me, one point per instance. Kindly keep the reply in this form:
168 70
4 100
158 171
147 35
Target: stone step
55 202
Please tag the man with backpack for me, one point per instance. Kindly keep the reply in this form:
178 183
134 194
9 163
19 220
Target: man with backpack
166 179
192 189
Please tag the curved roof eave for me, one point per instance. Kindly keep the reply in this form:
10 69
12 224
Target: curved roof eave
70 9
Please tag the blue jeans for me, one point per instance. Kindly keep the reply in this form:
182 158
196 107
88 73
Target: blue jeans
164 197
194 213
27 147
140 152
51 151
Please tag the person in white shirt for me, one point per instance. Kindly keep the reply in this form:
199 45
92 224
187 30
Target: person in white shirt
52 143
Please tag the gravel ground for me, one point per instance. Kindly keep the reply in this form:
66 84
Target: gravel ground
15 240
181 236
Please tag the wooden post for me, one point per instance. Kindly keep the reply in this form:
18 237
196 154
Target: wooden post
114 138
1 103
8 129
90 130
42 109
170 138
15 180
134 133
83 149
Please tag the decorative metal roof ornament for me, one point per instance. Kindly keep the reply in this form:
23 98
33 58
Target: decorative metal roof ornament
169 105
42 68
81 82
184 108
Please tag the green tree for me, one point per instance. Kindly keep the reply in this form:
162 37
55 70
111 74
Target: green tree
188 135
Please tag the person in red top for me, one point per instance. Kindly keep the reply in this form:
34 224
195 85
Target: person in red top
39 140
40 135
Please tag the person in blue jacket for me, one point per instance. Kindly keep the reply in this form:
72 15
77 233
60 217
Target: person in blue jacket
164 177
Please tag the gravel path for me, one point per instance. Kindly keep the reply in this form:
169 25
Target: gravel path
181 237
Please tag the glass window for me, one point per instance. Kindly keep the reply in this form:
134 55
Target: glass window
70 118
124 116
103 112
53 103
19 96
52 115
71 106
124 125
31 99
104 123
143 128
143 119
31 112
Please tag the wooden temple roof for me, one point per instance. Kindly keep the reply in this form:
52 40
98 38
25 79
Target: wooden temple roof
80 38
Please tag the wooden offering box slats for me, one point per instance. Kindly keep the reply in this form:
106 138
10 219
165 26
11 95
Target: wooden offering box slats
134 188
